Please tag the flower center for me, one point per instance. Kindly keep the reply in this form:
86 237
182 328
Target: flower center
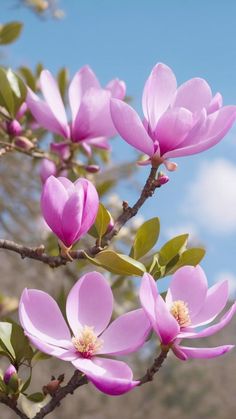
87 343
179 310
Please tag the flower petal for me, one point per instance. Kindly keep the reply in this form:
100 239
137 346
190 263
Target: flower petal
99 142
44 116
53 98
158 92
90 204
72 217
81 82
148 296
215 104
41 317
89 303
189 284
172 128
193 95
201 353
108 375
215 301
126 334
130 127
117 88
53 199
66 354
211 330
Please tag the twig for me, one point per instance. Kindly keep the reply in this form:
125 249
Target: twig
12 404
157 363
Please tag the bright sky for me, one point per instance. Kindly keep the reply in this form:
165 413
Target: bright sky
125 38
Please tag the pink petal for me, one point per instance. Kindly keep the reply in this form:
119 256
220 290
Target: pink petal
94 116
99 142
47 168
189 284
66 354
212 329
193 95
117 88
172 128
53 199
44 116
81 82
130 127
89 303
126 334
52 95
158 93
148 296
108 375
90 205
41 317
215 301
68 185
215 104
201 353
62 149
72 217
217 126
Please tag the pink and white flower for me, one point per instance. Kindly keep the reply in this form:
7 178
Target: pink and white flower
88 310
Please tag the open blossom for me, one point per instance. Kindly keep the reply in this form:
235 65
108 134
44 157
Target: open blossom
177 121
69 208
88 310
188 305
90 108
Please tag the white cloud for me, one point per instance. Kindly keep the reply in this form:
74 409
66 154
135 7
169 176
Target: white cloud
189 228
231 278
211 197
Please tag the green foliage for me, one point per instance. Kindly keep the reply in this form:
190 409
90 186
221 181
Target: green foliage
101 223
10 32
172 248
146 238
14 344
62 79
36 397
117 263
28 77
12 91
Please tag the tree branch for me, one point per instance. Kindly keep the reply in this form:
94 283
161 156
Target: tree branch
13 406
157 363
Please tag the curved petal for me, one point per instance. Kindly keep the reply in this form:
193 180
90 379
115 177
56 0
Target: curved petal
117 88
52 96
47 168
72 217
212 329
215 301
53 199
172 128
81 82
130 127
94 116
215 103
193 95
148 296
158 92
41 317
216 127
189 284
89 303
126 334
108 375
90 205
66 354
99 142
62 149
44 116
201 353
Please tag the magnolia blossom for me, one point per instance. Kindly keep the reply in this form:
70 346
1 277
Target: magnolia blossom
177 121
188 305
90 108
10 371
47 168
88 310
69 208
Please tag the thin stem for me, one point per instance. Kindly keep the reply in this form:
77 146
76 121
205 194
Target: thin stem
13 406
157 363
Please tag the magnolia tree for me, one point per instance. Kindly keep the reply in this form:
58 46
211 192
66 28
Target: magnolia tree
66 128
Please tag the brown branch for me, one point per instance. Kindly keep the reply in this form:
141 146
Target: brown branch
76 381
13 406
157 363
38 253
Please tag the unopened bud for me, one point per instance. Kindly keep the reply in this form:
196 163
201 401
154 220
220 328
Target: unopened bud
24 143
92 168
47 168
9 373
13 127
162 178
52 387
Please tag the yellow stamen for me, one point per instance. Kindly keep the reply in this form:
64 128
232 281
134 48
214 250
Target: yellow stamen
87 343
179 310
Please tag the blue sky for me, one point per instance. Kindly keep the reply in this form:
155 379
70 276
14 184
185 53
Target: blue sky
125 39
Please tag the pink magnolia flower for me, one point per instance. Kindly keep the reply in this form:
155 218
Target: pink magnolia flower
88 310
90 107
10 371
189 304
47 168
177 121
69 208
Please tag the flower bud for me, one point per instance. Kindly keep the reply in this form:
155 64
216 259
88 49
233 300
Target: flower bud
162 178
13 127
10 371
47 168
24 143
92 168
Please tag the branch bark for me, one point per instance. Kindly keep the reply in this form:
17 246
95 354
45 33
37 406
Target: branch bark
157 363
13 406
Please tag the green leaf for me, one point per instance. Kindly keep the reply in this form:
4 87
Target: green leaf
191 257
5 340
28 77
3 387
6 94
18 88
20 344
172 248
26 384
62 79
102 220
146 237
36 397
10 32
13 383
120 264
